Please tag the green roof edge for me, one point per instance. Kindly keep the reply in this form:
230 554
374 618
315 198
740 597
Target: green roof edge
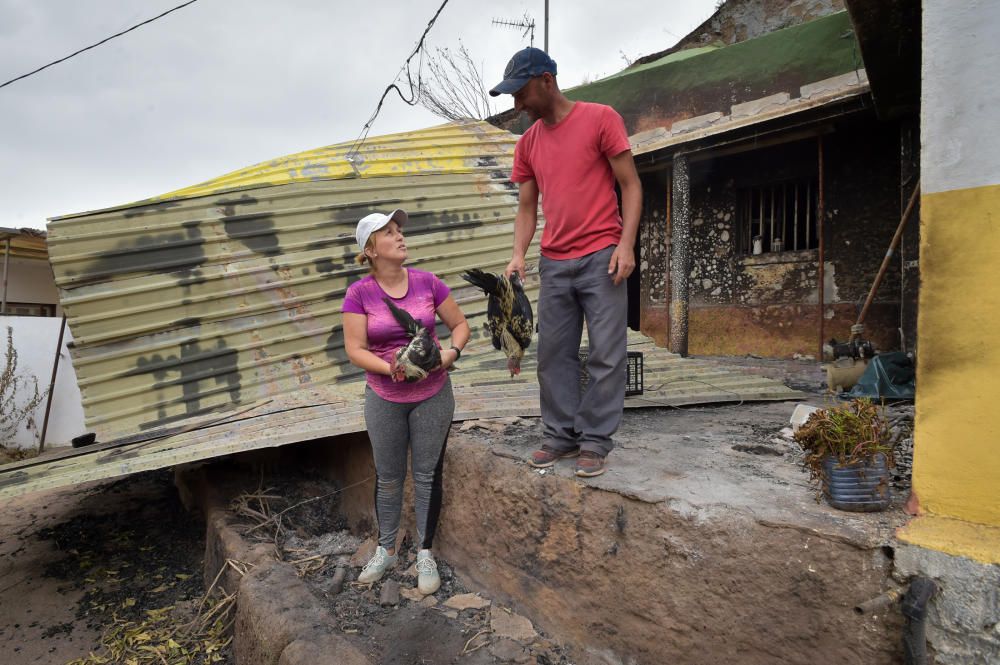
813 51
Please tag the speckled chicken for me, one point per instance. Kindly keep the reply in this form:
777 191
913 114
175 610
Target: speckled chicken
509 319
415 360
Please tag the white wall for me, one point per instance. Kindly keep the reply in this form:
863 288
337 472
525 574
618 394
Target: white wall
35 341
30 280
960 97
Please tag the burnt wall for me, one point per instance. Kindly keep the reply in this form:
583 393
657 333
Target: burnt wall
862 176
722 273
909 247
779 289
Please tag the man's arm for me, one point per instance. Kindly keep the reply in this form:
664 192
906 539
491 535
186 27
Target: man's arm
524 225
623 260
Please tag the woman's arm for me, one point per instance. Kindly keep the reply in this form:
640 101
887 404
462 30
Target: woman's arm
356 344
453 317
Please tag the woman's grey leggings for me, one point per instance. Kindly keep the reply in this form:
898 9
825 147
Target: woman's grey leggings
393 428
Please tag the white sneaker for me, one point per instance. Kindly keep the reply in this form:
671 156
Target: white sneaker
380 562
428 580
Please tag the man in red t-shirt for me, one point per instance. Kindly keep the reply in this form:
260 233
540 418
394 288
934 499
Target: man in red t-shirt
572 156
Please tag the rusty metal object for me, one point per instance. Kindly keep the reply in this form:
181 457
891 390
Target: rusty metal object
880 602
52 384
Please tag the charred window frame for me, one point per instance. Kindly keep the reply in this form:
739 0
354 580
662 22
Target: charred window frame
777 217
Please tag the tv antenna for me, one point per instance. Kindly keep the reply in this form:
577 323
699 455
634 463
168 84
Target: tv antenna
527 24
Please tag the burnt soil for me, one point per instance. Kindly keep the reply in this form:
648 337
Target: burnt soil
81 558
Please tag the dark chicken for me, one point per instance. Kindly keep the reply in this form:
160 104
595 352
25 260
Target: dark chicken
415 360
509 320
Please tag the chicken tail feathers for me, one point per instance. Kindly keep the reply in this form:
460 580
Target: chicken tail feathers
404 318
489 283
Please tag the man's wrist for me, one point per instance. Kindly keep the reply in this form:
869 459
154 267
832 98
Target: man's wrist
458 352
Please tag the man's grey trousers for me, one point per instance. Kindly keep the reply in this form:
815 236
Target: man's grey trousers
574 291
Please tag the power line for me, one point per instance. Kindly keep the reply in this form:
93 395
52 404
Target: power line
414 94
103 41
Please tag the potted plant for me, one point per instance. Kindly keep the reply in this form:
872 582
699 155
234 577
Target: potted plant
849 450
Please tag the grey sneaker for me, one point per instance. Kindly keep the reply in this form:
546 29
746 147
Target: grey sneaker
380 562
428 580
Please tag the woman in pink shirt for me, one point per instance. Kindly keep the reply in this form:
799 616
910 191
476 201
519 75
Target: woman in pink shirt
400 415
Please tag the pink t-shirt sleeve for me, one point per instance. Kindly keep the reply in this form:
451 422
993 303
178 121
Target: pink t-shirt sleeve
439 290
352 302
614 138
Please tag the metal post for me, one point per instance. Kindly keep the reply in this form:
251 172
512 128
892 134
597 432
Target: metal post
820 214
6 263
546 26
680 260
52 385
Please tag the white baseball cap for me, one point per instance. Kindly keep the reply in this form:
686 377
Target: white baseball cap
369 224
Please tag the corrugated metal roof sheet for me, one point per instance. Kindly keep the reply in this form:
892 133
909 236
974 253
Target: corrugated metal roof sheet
207 321
209 297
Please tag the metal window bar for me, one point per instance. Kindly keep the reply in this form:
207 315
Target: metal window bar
795 224
760 220
762 210
770 236
808 210
784 213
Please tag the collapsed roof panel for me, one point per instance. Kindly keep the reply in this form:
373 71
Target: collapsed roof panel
230 291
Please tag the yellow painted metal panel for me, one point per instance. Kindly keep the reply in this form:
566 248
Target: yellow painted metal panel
208 297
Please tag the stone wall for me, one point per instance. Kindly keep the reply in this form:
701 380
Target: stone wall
963 622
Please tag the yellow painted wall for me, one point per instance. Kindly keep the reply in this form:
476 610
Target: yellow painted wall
956 459
956 466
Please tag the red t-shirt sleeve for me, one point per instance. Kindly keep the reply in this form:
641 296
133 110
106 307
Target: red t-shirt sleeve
522 171
614 138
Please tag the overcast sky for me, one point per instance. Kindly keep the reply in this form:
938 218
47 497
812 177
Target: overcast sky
224 84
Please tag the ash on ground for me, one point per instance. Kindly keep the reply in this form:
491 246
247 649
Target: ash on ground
389 620
130 549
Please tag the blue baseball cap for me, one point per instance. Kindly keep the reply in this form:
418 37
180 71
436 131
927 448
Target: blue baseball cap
524 66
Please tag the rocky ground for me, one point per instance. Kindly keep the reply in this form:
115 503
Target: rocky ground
390 620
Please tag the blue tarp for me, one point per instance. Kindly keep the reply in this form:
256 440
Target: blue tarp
888 376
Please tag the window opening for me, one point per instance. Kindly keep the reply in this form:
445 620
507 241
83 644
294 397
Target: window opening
777 217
